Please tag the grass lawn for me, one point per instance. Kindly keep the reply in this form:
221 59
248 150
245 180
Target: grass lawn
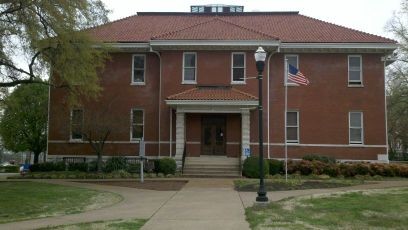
251 185
133 224
28 200
379 209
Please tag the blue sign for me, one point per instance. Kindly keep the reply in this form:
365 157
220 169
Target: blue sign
247 152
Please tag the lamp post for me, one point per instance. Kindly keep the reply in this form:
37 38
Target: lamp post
260 56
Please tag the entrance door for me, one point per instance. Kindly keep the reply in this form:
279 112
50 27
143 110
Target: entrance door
213 135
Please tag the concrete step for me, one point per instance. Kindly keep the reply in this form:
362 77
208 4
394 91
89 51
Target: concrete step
203 165
212 176
220 170
209 168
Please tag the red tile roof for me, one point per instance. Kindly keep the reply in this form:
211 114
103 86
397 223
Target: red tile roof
209 93
285 26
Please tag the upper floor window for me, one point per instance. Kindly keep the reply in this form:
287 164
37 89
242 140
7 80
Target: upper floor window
189 67
356 128
355 75
238 68
77 119
137 124
139 69
293 60
292 127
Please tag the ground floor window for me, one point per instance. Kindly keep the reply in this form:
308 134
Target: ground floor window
137 124
77 119
356 128
292 127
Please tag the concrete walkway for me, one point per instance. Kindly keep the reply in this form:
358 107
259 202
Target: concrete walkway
201 204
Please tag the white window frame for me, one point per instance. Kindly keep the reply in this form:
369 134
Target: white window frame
361 71
70 125
131 124
285 74
195 67
133 69
232 68
362 128
297 126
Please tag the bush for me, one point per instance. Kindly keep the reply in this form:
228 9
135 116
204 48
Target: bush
276 167
115 164
133 168
325 159
48 167
362 169
251 167
81 167
10 169
167 166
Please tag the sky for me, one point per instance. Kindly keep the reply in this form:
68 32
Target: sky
370 16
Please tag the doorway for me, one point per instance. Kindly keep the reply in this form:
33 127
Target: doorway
213 135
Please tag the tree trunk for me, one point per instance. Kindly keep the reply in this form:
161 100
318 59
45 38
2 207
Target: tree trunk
36 156
99 162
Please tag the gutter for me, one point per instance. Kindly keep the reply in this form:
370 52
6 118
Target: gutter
160 97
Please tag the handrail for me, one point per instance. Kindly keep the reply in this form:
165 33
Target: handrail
183 159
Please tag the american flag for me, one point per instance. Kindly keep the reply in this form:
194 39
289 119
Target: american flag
296 76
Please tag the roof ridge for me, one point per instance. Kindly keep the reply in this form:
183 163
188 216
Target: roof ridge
245 93
181 29
348 28
249 29
183 92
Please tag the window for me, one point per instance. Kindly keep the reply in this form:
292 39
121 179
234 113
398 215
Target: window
77 118
139 67
137 124
189 67
238 67
291 60
292 127
354 70
356 128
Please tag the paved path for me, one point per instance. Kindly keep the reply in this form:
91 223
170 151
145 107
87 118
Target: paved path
201 204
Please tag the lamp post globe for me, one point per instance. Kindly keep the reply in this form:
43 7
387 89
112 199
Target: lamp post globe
260 56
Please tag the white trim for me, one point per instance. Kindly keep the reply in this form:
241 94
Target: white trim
297 126
340 160
183 81
286 63
193 142
323 145
385 46
362 128
132 82
232 69
361 71
233 143
109 142
250 43
70 126
130 45
131 124
211 102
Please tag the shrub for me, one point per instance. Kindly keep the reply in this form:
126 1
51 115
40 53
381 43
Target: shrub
332 170
10 169
82 167
115 164
276 167
251 167
133 168
304 167
362 169
48 167
167 166
325 159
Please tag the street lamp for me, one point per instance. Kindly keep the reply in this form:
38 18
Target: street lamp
260 56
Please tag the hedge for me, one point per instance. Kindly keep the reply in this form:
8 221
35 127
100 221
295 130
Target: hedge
48 167
166 166
250 167
9 169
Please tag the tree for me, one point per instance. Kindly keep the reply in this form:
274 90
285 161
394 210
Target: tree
44 34
23 126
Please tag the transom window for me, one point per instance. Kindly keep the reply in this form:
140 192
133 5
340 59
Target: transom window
356 127
189 67
238 67
291 59
139 69
77 119
292 127
137 124
355 70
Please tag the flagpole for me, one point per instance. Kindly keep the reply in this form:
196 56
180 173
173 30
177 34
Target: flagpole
286 114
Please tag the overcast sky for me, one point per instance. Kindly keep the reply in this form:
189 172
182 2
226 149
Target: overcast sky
366 15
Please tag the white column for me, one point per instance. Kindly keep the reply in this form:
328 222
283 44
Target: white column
245 132
180 137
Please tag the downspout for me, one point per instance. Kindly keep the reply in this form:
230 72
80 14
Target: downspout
386 112
267 101
160 97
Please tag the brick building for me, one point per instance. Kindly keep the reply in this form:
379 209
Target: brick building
185 83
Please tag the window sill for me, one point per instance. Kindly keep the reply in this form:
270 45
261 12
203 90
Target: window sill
238 83
356 86
75 141
138 83
135 140
356 144
189 83
292 143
